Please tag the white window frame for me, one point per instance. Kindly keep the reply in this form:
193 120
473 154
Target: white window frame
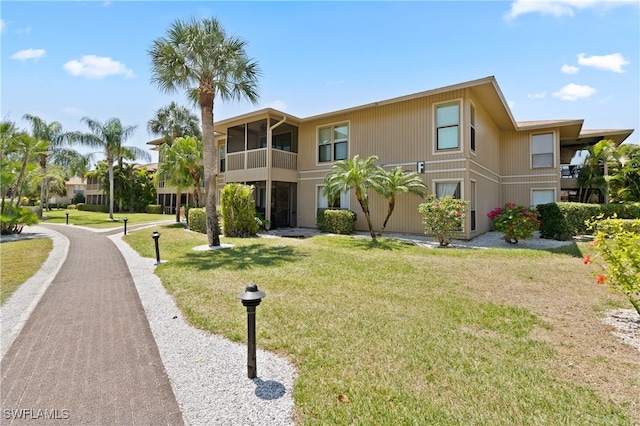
553 153
344 199
553 190
459 148
457 181
332 126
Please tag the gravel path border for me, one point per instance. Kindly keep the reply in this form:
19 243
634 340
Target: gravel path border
208 373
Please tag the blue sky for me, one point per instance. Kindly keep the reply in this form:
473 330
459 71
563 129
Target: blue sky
552 59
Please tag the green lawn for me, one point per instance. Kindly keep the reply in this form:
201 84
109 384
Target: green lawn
101 220
412 335
19 260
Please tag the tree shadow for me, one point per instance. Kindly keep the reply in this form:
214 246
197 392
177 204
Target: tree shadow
569 249
241 257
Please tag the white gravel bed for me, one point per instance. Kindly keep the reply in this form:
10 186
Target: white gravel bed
16 310
208 373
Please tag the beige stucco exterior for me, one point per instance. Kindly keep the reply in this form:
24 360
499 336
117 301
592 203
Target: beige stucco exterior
402 132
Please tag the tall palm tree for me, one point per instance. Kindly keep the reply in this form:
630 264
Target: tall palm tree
182 165
397 180
56 154
594 173
108 138
199 57
174 121
357 174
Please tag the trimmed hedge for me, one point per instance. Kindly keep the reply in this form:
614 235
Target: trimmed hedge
197 220
154 209
561 221
336 221
92 208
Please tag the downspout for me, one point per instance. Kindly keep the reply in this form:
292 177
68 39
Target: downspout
267 210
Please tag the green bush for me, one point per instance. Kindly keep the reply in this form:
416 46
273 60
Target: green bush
570 219
92 208
154 209
238 211
71 207
553 224
336 221
197 220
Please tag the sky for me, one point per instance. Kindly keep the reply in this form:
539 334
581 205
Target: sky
569 59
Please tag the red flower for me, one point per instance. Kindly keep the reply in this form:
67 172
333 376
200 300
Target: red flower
601 278
587 259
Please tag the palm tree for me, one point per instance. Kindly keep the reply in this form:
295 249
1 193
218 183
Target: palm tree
594 173
174 121
182 165
199 57
56 154
108 137
357 174
396 181
625 174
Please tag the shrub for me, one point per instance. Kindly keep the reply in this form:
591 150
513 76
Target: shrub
514 221
443 217
78 198
14 218
197 220
154 209
617 243
92 208
553 223
238 211
71 207
336 221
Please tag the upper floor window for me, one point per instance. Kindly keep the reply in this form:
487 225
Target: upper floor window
447 123
542 151
223 159
472 119
333 143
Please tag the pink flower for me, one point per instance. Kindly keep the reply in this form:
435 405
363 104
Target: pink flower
601 278
587 259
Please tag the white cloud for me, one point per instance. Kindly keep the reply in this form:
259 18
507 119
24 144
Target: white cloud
573 92
540 95
25 55
613 62
569 69
92 66
3 26
559 8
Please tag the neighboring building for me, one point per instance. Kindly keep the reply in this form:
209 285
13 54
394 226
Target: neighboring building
96 196
462 139
75 185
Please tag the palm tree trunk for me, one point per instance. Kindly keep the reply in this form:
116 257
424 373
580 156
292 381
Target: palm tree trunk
392 205
110 162
178 197
209 160
365 209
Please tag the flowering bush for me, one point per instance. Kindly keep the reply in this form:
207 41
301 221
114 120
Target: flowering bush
619 247
515 222
442 217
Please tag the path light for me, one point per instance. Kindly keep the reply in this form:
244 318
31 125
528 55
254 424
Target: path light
67 213
156 236
125 225
251 298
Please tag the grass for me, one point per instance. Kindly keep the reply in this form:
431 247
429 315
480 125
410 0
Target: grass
20 260
101 220
413 335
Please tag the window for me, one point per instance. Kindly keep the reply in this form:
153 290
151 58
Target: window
333 143
223 159
542 196
447 117
448 188
542 151
341 202
472 119
472 206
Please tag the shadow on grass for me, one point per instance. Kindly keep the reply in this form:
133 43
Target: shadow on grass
241 257
571 249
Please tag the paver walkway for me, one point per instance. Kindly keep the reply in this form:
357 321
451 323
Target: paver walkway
86 355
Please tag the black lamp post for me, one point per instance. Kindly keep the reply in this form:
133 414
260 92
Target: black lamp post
67 213
125 225
156 236
251 298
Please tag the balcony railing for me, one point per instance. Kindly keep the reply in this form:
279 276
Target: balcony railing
257 159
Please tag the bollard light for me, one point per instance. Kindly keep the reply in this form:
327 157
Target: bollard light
251 297
67 213
156 236
125 225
